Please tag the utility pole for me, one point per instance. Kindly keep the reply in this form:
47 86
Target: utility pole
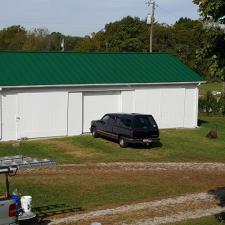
63 45
151 19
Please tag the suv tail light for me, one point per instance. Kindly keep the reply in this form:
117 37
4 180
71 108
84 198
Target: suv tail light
12 210
131 133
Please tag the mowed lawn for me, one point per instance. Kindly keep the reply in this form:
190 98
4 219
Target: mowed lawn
93 189
176 145
216 86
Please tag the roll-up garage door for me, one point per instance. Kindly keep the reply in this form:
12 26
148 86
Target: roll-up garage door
42 114
96 104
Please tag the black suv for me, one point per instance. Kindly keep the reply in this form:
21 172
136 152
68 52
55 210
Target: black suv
127 128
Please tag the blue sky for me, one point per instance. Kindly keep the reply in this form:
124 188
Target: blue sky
81 17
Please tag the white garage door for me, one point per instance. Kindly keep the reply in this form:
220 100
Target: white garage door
96 104
42 114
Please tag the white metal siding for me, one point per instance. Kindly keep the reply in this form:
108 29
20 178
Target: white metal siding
127 101
167 105
191 108
172 107
42 114
148 101
60 112
75 114
9 114
96 104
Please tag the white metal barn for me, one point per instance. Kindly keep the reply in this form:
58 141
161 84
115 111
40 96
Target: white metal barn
58 94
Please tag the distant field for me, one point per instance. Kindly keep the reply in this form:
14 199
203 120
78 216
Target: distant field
210 87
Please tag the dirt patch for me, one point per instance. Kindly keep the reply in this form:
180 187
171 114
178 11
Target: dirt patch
71 149
119 167
154 212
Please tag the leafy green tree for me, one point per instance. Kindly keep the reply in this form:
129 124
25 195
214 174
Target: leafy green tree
212 9
163 39
36 40
72 43
90 43
188 35
212 52
127 35
12 38
54 41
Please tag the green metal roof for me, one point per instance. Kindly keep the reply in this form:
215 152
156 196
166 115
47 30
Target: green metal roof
71 68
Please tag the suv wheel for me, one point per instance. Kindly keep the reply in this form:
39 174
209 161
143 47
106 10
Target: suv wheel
94 133
122 142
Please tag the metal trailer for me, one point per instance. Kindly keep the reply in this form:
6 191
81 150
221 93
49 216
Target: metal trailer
9 167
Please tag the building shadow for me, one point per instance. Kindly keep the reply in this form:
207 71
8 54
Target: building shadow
201 122
219 194
44 212
221 218
153 145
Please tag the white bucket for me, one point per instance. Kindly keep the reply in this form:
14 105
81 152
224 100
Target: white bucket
26 203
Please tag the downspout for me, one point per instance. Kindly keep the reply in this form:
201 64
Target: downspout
1 113
197 105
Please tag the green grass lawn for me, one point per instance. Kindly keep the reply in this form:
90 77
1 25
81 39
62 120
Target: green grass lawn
91 189
176 145
204 88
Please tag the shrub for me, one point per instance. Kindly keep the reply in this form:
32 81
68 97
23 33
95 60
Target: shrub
211 104
222 104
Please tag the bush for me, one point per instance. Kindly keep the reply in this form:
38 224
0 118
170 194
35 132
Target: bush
211 104
222 104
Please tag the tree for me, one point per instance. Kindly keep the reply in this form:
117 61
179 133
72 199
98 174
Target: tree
54 41
127 35
213 50
188 35
212 9
12 38
163 39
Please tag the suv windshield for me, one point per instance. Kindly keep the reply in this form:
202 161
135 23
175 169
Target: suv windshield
144 122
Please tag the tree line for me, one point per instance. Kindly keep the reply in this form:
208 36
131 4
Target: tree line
198 43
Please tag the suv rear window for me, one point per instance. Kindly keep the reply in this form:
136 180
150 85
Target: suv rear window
144 122
126 122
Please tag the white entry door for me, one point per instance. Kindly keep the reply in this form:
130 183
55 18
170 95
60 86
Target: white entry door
42 114
96 104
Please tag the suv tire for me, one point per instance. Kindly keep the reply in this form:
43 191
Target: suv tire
94 133
122 142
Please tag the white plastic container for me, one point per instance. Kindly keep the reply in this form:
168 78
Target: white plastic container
26 203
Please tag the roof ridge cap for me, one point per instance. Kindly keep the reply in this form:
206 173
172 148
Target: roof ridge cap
88 53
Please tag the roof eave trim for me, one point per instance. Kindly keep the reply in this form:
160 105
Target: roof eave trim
100 85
